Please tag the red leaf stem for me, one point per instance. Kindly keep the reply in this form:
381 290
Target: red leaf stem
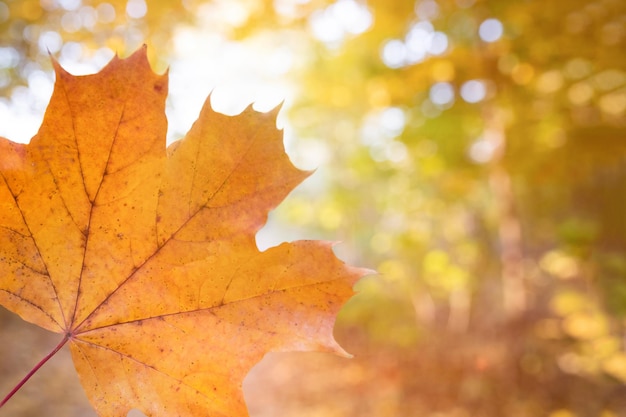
35 369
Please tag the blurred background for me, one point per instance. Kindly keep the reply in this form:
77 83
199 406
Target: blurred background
471 151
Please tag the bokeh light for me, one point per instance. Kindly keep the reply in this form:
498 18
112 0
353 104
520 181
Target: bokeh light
394 53
490 30
136 9
343 18
442 94
421 41
473 91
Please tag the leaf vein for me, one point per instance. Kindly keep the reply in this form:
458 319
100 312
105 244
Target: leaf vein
152 367
27 301
43 261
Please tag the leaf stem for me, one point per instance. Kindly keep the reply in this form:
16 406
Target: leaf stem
35 369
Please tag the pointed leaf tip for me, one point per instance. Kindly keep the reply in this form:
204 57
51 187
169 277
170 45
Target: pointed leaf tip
146 256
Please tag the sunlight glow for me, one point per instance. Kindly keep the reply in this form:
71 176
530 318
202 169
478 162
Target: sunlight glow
289 8
333 24
248 72
223 14
41 83
23 116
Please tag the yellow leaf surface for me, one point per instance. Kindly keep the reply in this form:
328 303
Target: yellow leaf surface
144 258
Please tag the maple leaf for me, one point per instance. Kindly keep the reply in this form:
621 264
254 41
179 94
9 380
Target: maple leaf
143 257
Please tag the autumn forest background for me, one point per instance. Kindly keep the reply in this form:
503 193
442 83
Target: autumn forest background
473 152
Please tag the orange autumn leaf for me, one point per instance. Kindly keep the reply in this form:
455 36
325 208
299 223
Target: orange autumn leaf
144 258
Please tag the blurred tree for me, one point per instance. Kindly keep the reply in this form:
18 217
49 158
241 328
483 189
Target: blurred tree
470 150
75 29
474 152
